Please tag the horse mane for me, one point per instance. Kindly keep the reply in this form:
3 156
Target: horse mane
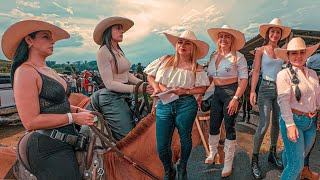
141 128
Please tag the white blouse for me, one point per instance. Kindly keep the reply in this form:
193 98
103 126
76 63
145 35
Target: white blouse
227 68
176 77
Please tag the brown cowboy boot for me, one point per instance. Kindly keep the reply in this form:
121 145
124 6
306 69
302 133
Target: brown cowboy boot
307 173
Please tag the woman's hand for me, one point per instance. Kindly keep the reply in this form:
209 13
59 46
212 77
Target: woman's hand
83 118
199 100
292 133
180 91
156 91
149 89
253 99
233 106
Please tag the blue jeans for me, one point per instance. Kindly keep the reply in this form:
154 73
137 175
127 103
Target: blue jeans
294 152
267 101
181 114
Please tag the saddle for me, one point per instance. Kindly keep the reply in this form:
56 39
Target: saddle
91 161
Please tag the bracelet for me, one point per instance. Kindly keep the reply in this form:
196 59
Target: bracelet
70 118
77 110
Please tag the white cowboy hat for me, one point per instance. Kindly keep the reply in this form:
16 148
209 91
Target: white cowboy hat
276 22
239 39
13 36
104 24
296 44
202 47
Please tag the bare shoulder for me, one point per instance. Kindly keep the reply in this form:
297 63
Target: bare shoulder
25 71
165 57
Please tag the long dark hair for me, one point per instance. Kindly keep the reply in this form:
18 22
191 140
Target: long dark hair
21 55
106 40
266 39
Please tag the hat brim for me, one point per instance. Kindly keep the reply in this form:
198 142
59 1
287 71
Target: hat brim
202 47
13 36
283 53
104 24
239 41
264 28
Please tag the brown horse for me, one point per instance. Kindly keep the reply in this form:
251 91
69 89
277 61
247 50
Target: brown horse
140 146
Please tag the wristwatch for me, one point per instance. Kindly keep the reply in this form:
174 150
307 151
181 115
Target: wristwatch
237 98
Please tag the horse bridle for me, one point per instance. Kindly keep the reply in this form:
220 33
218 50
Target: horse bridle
107 141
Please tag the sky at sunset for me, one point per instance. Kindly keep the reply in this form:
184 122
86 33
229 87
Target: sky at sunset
145 41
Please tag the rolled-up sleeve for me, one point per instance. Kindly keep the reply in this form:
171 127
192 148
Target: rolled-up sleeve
284 96
242 67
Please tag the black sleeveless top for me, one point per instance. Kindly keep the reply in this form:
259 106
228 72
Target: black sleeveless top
53 99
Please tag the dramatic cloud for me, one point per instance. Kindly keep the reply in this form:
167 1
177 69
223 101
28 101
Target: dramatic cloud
145 42
35 4
69 9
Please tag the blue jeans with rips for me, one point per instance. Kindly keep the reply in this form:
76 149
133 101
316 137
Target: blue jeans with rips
178 114
294 152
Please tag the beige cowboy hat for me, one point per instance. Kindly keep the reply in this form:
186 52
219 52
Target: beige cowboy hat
239 39
276 22
202 47
295 44
13 36
104 24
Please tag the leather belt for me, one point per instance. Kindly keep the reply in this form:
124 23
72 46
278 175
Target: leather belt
270 82
55 134
310 114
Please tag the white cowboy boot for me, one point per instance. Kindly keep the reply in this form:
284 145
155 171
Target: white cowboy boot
213 144
229 149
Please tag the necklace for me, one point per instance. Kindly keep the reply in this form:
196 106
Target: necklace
44 69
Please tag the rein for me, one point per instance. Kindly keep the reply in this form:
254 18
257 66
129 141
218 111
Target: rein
104 133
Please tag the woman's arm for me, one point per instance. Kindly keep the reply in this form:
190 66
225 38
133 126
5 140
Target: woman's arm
255 76
27 102
154 84
132 79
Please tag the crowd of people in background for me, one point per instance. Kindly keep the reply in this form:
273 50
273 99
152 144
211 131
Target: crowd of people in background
87 82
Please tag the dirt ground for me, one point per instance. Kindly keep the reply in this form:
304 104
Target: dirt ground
10 134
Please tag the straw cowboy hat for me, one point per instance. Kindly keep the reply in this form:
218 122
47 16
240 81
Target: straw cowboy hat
296 44
104 24
202 47
13 36
276 22
239 39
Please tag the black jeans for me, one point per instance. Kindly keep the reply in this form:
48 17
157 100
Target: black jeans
218 111
51 158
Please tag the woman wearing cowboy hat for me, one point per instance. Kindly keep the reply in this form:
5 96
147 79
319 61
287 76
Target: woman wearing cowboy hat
41 97
299 98
226 67
115 99
182 73
270 65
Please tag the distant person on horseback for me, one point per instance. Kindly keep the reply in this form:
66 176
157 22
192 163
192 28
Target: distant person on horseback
115 100
41 97
228 70
182 75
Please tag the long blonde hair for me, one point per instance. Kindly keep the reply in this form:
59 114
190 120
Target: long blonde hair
219 50
174 60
